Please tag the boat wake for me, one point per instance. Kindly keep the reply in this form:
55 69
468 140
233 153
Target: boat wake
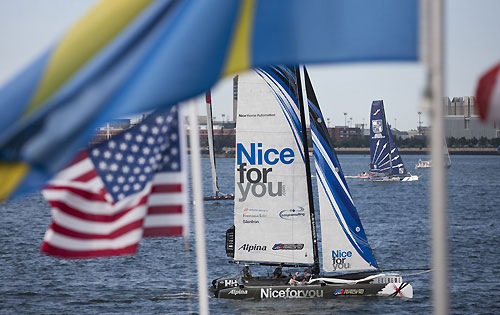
175 296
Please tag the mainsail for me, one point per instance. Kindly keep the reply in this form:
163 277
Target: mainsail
344 243
271 207
384 155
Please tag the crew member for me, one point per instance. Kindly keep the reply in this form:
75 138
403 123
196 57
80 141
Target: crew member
246 272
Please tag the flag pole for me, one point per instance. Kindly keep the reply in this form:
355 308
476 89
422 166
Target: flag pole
199 221
439 222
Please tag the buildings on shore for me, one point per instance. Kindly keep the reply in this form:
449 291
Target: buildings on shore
460 117
462 120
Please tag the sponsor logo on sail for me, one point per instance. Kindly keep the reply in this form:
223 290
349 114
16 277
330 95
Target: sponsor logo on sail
238 292
377 126
259 215
290 214
290 293
252 248
251 221
256 115
254 210
375 113
349 292
256 179
340 259
281 246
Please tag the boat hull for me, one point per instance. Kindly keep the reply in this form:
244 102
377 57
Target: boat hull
410 178
389 285
219 197
325 291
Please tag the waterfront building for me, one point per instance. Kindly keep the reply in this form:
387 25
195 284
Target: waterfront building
462 120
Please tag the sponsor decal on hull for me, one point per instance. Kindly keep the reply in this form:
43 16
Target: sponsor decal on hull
238 292
349 292
229 283
288 293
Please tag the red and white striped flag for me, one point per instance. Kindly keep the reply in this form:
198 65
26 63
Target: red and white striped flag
116 192
488 95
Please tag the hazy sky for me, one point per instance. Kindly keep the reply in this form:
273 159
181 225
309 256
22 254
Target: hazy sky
472 45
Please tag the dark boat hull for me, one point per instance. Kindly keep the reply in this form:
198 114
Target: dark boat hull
220 197
328 291
280 289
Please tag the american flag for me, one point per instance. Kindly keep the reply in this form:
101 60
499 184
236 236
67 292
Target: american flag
116 192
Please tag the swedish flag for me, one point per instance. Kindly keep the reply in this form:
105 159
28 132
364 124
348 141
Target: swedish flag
130 56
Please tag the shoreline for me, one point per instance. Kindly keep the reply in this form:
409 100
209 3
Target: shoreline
404 151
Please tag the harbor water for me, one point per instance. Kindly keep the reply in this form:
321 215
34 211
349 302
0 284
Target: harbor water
161 277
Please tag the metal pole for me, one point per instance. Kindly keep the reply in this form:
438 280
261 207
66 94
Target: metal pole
199 221
301 74
438 183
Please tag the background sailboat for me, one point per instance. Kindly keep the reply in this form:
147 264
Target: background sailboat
427 164
217 195
385 161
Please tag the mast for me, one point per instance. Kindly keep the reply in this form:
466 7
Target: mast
210 135
308 171
387 130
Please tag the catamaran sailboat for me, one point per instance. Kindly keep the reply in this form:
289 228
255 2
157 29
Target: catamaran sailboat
274 218
385 162
217 195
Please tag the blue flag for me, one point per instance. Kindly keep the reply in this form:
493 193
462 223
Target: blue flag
157 53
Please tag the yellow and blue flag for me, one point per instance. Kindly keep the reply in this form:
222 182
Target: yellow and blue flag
130 56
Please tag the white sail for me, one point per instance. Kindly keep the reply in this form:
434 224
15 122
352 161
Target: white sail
271 208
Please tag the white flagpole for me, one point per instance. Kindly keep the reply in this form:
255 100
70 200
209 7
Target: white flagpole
199 220
439 212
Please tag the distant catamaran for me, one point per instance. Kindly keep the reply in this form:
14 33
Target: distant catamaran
386 163
274 218
428 164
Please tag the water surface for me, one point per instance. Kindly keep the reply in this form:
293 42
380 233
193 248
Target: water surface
161 278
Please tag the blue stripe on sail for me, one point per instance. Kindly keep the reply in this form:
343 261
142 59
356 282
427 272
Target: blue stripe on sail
296 120
284 85
347 208
398 160
285 108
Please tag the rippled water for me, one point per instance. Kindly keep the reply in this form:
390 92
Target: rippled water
161 278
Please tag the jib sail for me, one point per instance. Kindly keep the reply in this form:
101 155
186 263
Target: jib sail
344 243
